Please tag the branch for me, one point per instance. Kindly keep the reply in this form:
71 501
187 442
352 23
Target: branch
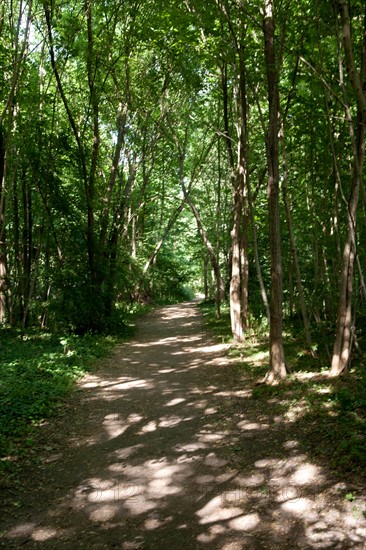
354 77
62 93
19 60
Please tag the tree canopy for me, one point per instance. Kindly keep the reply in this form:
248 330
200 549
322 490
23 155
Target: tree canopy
153 150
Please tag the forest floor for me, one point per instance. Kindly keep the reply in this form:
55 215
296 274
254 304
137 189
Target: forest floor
164 447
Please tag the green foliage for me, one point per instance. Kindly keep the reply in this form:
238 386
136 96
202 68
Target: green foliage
219 326
77 239
167 281
37 371
330 414
352 400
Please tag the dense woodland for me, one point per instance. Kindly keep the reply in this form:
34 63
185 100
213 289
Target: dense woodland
151 150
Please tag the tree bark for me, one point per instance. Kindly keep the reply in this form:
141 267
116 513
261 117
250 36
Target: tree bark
220 286
237 328
3 254
277 367
158 246
205 277
23 22
244 264
256 255
294 254
242 174
344 331
27 245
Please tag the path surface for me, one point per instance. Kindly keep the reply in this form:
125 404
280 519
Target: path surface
164 449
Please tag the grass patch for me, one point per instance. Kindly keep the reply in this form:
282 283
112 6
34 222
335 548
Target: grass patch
219 327
329 414
37 371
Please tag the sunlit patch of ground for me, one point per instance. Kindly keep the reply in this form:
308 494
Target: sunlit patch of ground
170 448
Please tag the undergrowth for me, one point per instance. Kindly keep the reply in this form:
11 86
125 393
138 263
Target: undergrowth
328 413
37 371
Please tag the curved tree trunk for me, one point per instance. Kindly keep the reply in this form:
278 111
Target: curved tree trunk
344 332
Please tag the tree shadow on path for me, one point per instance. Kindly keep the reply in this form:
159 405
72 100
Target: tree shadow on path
145 457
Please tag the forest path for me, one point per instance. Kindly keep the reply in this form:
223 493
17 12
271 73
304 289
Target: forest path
164 448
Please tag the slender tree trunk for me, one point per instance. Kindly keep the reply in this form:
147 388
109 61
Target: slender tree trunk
18 275
105 215
47 284
242 171
210 249
256 255
31 283
95 255
291 306
327 284
218 217
174 217
244 264
235 298
206 263
344 331
316 247
22 28
294 255
117 231
3 252
237 180
27 244
88 173
133 237
20 23
278 368
3 278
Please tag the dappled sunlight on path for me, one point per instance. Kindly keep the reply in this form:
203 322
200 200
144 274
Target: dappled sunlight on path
155 453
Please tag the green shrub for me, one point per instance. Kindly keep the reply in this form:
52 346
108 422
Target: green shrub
37 371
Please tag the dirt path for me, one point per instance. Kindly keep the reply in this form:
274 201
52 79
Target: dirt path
164 449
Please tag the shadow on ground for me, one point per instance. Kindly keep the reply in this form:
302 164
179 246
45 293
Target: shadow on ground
153 452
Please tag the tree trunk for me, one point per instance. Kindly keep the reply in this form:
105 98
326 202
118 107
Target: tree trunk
205 277
220 287
158 246
277 370
17 311
242 171
237 180
235 298
244 264
294 255
3 254
256 255
344 331
27 244
218 217
134 237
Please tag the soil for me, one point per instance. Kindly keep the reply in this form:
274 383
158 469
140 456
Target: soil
164 447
